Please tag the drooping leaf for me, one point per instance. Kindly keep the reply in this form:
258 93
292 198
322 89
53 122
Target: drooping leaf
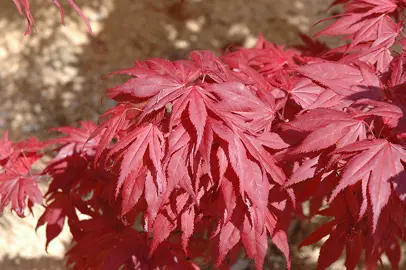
23 7
379 161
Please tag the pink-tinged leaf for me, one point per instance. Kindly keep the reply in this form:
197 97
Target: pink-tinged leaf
344 79
17 189
162 67
109 129
238 161
236 98
270 222
380 161
210 65
178 139
178 106
264 158
305 92
178 174
339 133
235 146
338 77
18 4
222 163
280 239
156 147
364 205
153 202
327 99
133 187
342 26
379 6
255 242
23 6
256 186
30 145
187 222
167 95
206 148
182 202
390 114
396 66
18 184
271 140
137 142
380 52
77 140
162 228
197 114
316 119
256 82
229 237
371 29
162 99
229 197
360 27
185 71
145 87
305 171
251 179
77 9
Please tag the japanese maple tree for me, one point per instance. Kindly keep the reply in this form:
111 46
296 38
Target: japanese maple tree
204 158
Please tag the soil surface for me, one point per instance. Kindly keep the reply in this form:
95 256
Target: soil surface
54 77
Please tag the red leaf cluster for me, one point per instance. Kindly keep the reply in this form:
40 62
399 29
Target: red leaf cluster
205 157
18 181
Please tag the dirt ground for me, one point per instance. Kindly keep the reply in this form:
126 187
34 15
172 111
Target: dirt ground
53 77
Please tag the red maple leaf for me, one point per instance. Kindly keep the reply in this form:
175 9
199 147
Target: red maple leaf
18 180
328 127
346 80
77 140
376 164
18 183
361 20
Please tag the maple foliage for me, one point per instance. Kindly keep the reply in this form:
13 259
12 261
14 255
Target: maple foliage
204 158
18 181
23 7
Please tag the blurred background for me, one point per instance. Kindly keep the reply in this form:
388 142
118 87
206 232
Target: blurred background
54 77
